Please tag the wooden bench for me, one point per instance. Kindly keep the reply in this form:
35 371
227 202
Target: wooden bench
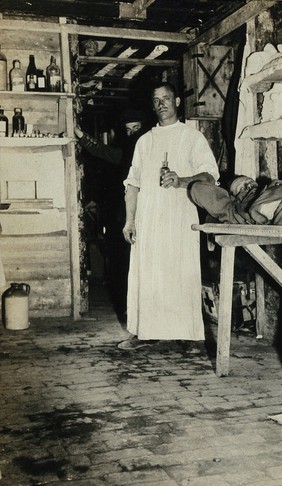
249 237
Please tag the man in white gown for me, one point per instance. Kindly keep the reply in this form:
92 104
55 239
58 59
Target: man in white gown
164 282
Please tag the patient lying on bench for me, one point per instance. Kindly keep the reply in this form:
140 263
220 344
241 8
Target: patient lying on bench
245 203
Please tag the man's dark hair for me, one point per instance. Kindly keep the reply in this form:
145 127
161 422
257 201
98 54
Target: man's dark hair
165 84
131 115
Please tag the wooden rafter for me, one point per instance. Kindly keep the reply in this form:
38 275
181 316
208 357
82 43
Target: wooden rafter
233 21
135 10
129 61
141 5
102 32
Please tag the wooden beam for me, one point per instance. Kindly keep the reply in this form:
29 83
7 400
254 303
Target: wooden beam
107 88
105 97
131 34
240 229
128 60
269 265
240 240
135 10
141 5
233 21
127 11
93 31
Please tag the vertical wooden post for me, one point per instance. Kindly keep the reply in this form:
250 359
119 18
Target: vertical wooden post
260 305
71 185
224 310
247 149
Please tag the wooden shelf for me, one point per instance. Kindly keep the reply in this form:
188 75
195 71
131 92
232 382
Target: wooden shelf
271 73
270 130
22 142
127 61
34 94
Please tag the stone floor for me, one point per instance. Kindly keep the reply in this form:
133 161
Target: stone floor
77 410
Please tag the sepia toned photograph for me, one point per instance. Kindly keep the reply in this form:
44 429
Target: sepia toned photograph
140 242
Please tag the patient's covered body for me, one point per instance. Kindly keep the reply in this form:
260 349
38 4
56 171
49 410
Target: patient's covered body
245 203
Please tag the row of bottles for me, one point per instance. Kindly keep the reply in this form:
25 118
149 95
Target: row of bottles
20 129
18 123
34 79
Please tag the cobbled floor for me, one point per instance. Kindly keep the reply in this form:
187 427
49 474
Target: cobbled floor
77 410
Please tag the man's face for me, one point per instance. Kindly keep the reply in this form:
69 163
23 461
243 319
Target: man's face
132 128
244 189
165 105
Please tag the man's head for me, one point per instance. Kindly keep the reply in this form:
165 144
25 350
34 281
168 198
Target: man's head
132 121
165 103
132 127
244 189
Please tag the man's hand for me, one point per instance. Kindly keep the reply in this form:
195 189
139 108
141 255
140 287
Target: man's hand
170 179
129 232
78 132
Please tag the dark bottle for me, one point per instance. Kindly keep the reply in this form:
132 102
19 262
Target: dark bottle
3 71
3 123
53 75
31 75
164 168
41 80
18 122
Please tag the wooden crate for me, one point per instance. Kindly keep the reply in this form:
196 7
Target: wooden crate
207 73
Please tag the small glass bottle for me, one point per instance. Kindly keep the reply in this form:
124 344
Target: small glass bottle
3 123
41 80
31 74
65 86
17 79
164 169
18 122
53 74
31 84
3 71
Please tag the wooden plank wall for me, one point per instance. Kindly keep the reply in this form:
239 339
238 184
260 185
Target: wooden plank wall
42 261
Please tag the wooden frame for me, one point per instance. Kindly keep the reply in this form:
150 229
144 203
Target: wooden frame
249 237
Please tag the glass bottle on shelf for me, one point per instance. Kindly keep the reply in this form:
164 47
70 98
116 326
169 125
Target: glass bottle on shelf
3 123
18 122
3 71
41 80
65 86
53 74
17 79
31 85
31 74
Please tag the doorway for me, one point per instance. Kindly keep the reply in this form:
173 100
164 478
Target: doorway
104 94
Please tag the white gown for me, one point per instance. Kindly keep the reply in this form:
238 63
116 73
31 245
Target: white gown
164 283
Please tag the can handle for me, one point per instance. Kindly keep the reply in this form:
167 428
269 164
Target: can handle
26 287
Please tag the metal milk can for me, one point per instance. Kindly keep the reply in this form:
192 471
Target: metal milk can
15 302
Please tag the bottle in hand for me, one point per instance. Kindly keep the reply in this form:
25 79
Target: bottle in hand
164 168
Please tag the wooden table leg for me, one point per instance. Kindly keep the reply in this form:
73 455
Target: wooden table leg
224 310
260 305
